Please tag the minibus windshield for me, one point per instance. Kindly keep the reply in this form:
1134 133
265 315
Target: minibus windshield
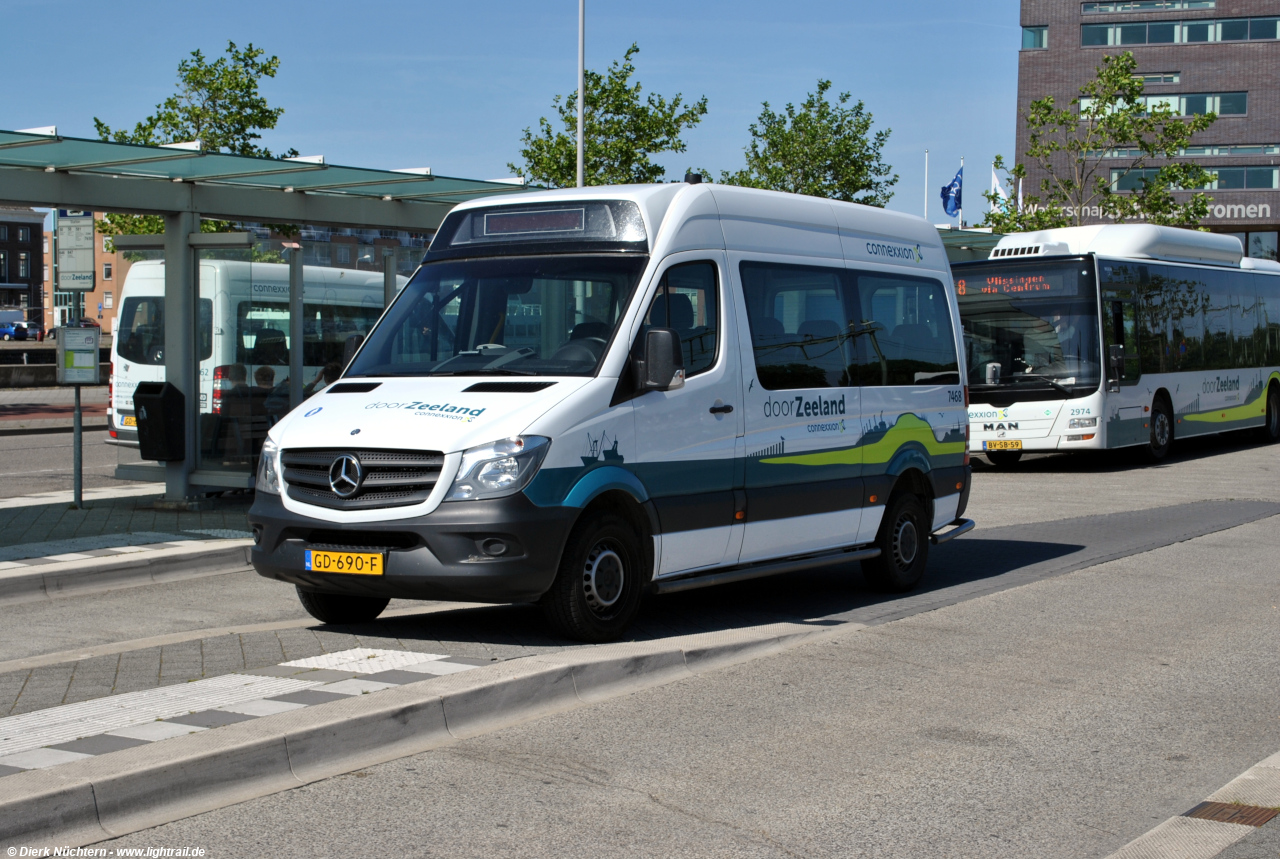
1030 326
507 316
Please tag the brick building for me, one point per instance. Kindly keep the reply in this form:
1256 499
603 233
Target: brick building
20 274
1197 56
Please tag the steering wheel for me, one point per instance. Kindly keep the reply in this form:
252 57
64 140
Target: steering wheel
586 350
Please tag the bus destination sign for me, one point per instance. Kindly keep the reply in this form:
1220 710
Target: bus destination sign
1023 285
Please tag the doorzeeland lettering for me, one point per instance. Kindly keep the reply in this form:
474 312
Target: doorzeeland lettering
428 407
804 407
1218 385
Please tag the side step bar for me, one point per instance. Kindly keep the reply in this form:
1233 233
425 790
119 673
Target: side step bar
963 526
758 571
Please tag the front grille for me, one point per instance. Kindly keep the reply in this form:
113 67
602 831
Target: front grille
392 478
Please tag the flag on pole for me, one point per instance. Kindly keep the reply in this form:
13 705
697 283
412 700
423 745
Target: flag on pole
951 197
996 187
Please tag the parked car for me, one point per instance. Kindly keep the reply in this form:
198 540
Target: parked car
13 325
35 331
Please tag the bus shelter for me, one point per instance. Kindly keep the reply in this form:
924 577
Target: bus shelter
184 184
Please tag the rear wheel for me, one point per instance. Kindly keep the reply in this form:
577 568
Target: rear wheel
1161 440
1004 458
597 590
903 542
340 608
1271 429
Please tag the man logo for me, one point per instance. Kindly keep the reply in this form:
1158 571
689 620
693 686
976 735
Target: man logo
345 476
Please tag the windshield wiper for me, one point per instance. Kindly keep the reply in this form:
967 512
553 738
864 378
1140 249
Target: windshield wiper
488 371
1050 380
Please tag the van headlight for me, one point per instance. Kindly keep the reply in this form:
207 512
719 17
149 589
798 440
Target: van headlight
502 468
269 468
1082 423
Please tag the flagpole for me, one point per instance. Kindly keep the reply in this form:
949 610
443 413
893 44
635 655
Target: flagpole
991 201
961 209
926 184
582 75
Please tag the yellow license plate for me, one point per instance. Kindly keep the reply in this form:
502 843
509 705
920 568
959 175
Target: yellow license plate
351 563
1002 445
128 421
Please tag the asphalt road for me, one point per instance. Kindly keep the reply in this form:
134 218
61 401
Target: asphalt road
1102 653
42 462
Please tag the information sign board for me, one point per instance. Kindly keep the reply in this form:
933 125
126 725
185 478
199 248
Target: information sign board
77 356
75 251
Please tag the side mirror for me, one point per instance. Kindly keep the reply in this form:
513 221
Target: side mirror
1116 359
993 370
661 364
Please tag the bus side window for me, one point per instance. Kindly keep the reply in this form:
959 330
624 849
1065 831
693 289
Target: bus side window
1123 330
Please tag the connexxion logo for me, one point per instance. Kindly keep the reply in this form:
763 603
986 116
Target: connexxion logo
907 252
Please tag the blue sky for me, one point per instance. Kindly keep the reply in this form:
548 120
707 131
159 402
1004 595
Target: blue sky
452 85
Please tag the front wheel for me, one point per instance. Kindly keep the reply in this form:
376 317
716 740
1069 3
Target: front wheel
597 590
903 541
1271 429
1161 440
340 608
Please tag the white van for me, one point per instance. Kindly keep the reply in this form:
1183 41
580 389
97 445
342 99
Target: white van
242 326
585 394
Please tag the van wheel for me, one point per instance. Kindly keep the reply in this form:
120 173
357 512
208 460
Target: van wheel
1161 431
1271 429
597 590
903 542
340 608
1003 458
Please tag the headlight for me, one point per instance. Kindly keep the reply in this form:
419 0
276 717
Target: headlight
1082 423
502 468
269 468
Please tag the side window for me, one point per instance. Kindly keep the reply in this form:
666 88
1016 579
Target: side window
800 328
905 334
686 301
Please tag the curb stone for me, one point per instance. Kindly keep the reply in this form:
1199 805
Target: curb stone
70 578
114 794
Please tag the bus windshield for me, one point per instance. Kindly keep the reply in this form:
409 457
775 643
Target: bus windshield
507 316
1030 327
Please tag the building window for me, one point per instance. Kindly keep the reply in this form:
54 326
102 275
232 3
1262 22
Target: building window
46 274
344 253
4 266
1146 6
1192 104
1228 178
24 266
24 234
46 244
1035 38
1160 78
4 233
106 271
1179 32
106 244
108 300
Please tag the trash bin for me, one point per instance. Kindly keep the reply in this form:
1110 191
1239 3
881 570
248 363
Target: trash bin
160 409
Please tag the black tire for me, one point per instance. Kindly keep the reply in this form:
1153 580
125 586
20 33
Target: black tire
1271 429
600 582
903 542
341 608
1161 425
1003 458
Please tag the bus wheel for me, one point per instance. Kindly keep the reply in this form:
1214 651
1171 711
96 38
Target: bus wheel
340 608
1271 430
597 590
1161 431
903 542
1003 458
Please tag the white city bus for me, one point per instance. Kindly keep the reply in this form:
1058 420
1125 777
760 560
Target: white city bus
1086 338
242 326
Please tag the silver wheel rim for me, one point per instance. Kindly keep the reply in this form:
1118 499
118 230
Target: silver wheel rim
603 578
1161 429
906 541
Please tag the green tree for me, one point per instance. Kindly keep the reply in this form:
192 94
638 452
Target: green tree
823 149
217 103
623 130
1070 146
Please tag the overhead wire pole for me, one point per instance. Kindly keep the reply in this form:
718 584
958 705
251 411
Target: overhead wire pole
926 184
582 76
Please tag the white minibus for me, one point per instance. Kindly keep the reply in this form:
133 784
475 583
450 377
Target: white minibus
242 326
586 394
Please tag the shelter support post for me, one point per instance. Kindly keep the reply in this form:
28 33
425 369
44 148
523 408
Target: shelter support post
297 327
388 277
181 297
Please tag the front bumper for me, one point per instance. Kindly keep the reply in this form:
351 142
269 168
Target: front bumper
438 556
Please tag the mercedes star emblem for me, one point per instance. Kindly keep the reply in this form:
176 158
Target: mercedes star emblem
345 476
